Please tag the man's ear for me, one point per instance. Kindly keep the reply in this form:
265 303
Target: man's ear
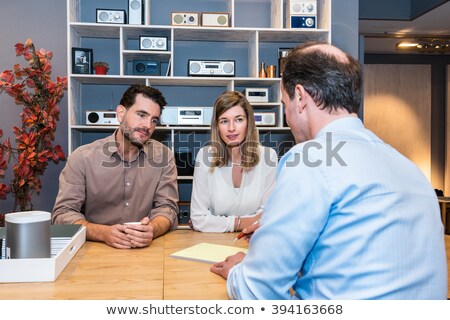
300 97
120 112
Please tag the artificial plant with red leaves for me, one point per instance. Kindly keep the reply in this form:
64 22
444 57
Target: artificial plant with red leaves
32 88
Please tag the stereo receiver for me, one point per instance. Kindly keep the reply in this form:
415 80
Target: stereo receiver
111 16
200 116
146 67
265 118
153 43
101 118
257 94
213 68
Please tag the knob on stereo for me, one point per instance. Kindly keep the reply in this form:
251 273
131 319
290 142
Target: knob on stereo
309 22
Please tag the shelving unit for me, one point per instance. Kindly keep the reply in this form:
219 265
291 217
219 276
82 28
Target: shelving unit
256 31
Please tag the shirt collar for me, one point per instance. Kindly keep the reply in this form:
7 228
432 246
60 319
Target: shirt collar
346 123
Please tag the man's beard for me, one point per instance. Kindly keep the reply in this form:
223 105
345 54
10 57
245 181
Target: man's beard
128 135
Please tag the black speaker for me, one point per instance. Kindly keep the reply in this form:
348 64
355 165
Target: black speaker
146 67
184 212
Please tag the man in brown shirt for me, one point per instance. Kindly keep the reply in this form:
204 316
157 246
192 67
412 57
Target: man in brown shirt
126 177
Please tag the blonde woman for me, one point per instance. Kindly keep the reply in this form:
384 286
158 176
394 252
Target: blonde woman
234 175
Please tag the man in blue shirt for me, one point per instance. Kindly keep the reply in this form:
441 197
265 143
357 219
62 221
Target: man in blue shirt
350 217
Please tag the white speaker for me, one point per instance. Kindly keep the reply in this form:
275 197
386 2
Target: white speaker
153 43
302 7
215 19
135 11
265 118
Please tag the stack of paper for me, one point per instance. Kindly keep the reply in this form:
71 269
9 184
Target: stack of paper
207 252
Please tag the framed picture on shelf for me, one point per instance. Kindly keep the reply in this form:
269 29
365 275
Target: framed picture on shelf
282 54
82 60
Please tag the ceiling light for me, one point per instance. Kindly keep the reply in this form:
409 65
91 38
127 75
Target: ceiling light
425 45
406 44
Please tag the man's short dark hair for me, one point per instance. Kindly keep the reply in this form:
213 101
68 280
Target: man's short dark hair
331 82
129 96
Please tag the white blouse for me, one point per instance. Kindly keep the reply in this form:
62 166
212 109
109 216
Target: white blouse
216 202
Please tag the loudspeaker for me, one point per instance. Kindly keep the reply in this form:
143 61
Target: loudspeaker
185 19
111 16
143 67
153 43
184 212
136 11
301 14
215 19
265 118
302 7
302 22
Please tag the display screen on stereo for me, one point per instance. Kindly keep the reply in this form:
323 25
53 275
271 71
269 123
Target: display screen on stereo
212 66
190 112
109 115
257 94
258 117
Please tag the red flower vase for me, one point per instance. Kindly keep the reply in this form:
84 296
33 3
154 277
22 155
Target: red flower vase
100 70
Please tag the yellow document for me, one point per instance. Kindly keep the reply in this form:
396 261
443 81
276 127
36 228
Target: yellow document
207 252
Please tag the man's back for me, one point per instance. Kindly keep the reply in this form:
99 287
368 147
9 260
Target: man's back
383 238
362 224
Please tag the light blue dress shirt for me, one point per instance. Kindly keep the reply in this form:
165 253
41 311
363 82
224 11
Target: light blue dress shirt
349 218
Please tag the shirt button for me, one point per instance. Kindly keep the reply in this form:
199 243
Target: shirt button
127 204
127 183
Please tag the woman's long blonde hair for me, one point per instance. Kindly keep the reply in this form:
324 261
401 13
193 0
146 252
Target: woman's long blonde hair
249 147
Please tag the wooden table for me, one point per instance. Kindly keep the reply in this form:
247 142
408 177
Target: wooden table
101 272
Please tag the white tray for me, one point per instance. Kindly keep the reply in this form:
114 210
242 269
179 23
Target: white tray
41 270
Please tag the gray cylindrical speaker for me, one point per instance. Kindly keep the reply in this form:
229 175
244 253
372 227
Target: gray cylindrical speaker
27 235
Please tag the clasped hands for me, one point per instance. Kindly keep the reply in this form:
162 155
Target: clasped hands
223 268
127 236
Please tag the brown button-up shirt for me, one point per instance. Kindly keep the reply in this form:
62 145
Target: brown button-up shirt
97 185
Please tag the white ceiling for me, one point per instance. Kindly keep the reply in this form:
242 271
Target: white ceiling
379 34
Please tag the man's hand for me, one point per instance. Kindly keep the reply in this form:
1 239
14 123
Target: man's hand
222 268
116 237
140 235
